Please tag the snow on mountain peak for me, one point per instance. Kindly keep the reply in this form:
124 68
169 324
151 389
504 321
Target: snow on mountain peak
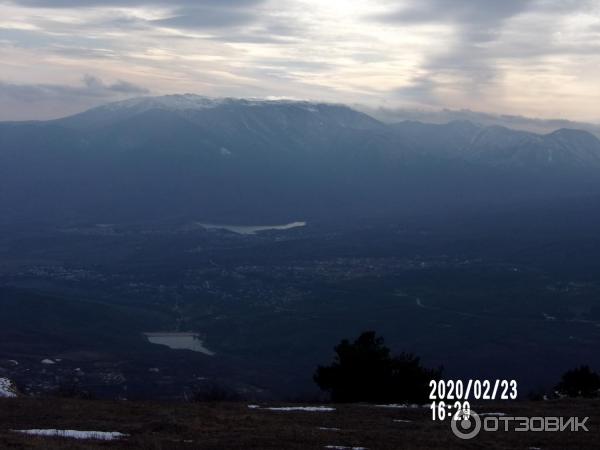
179 102
170 102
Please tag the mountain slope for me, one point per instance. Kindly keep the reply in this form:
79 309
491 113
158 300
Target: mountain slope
562 148
192 157
500 146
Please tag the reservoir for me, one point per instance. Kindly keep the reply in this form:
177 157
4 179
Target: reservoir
251 229
179 341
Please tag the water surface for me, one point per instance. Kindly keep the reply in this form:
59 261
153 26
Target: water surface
251 229
179 341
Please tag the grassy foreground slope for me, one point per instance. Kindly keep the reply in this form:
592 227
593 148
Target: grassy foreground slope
235 426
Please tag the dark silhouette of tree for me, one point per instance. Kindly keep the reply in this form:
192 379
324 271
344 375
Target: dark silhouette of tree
365 371
579 382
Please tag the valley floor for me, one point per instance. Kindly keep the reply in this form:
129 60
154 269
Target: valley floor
243 426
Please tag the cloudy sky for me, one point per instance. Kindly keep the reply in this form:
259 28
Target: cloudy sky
539 58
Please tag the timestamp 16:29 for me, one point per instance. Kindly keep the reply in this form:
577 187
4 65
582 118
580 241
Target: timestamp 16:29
442 411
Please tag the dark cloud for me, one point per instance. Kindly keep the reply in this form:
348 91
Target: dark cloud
91 87
208 17
476 23
240 21
594 28
421 90
125 3
478 20
47 101
188 14
472 56
95 86
268 31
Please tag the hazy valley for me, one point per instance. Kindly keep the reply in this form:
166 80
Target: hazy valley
440 237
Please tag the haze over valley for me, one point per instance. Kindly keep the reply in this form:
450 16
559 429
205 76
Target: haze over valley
255 234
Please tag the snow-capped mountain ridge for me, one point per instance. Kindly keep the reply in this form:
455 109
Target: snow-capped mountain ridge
494 145
175 102
201 110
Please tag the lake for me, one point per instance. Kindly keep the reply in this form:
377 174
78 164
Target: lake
251 229
179 341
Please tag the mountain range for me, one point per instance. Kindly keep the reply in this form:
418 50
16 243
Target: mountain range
188 157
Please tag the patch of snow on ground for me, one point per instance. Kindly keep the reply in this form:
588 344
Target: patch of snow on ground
295 408
329 429
74 434
7 390
341 447
402 421
47 361
303 408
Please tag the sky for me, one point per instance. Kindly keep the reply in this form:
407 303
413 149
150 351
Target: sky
537 58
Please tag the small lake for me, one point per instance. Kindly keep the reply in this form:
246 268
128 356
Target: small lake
251 229
179 341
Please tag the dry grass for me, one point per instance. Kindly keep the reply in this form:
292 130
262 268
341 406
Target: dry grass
166 426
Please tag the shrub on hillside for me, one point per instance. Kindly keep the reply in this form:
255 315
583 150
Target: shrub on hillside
365 371
579 382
